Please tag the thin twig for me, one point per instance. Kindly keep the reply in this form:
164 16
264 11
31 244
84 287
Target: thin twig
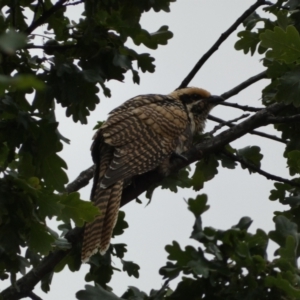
41 20
33 296
75 3
225 123
254 168
221 39
244 85
269 136
242 107
255 132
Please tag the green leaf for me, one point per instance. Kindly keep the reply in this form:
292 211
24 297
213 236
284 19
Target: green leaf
197 233
160 37
280 192
292 201
198 206
101 269
292 4
294 161
145 63
23 82
134 293
248 41
122 61
170 271
95 293
283 284
53 173
276 68
228 163
120 250
49 205
283 20
78 210
285 45
288 253
181 257
20 82
251 21
206 169
243 224
121 224
251 154
12 41
289 88
199 266
176 180
39 239
284 228
131 268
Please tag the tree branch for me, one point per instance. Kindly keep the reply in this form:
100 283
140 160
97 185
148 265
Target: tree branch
81 181
33 296
242 107
75 3
221 39
254 168
41 20
39 3
244 85
222 124
255 132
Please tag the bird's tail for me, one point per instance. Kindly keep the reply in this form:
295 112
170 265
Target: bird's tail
97 234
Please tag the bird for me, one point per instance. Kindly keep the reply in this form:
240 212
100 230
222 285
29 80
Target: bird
138 136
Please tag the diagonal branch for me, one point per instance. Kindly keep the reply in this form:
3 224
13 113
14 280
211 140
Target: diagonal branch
41 20
244 85
33 296
75 3
255 132
81 181
242 107
225 123
254 168
221 39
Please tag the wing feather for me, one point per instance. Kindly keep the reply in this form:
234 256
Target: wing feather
142 137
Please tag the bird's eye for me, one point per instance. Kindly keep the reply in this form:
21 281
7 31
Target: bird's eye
196 96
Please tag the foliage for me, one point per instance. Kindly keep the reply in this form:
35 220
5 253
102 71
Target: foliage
76 60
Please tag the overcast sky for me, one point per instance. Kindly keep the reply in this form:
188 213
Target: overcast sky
232 194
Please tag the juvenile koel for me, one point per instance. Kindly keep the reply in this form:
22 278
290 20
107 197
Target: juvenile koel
138 136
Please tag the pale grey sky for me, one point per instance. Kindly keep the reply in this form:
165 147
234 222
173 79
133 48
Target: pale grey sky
232 194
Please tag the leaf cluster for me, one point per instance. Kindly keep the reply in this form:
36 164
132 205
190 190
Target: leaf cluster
72 61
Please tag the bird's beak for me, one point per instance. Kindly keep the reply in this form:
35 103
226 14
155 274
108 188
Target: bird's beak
215 100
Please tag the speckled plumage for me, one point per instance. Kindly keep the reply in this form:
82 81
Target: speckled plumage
138 136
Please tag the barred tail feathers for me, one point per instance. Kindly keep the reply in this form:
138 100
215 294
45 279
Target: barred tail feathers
111 216
97 234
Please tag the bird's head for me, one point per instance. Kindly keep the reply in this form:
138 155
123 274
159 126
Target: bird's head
198 103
